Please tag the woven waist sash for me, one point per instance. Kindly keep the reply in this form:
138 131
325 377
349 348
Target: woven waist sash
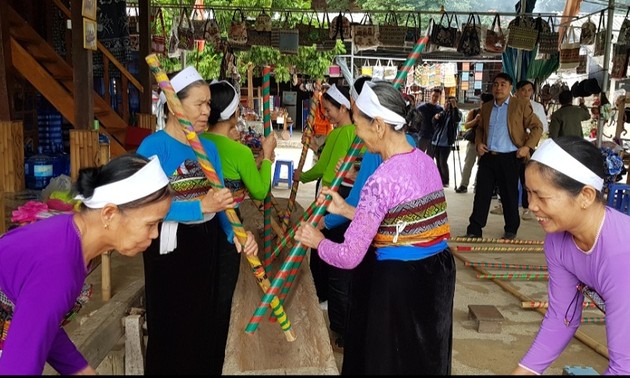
420 222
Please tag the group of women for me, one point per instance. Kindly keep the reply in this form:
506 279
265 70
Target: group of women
399 273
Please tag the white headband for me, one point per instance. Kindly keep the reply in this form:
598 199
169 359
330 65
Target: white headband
233 105
149 179
553 156
334 92
369 104
180 81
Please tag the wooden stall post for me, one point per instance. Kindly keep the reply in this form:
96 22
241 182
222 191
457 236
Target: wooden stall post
147 121
12 153
86 151
3 226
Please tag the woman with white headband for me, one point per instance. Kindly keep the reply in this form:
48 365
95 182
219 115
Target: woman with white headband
241 176
43 265
587 249
403 324
181 267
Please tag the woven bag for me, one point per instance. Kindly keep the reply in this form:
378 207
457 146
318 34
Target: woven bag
237 34
211 30
309 34
548 37
522 33
600 37
587 32
390 33
569 50
365 34
581 68
340 26
469 44
198 23
619 61
495 39
412 31
286 38
444 35
185 37
259 33
624 32
158 39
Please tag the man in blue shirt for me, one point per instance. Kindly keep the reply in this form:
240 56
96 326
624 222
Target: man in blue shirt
507 134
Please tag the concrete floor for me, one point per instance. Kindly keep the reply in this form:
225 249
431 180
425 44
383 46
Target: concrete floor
474 353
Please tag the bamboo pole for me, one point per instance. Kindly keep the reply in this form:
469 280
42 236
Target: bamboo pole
515 276
496 241
584 338
506 266
545 304
257 268
266 132
461 248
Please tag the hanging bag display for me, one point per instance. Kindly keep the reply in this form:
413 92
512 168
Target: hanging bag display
259 34
286 38
237 34
340 26
495 39
624 32
390 71
548 37
619 61
600 37
198 24
411 31
186 40
390 33
569 50
327 43
522 33
469 44
377 70
309 35
365 34
587 32
211 29
444 35
158 39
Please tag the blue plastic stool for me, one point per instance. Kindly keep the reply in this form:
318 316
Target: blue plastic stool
276 173
619 197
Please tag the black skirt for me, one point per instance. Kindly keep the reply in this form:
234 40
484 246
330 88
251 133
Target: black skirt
401 317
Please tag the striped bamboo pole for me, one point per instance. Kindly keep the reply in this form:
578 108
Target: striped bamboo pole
515 276
176 107
545 304
586 339
288 236
266 132
496 241
593 320
506 266
296 255
401 75
308 134
461 248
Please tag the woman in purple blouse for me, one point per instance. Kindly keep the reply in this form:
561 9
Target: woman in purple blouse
400 315
43 265
587 251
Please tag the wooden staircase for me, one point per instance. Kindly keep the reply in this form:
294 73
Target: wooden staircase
52 76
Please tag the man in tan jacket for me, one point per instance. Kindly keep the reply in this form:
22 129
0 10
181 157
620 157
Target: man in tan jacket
505 138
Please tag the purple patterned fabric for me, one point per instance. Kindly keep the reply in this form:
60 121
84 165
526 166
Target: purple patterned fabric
399 179
604 269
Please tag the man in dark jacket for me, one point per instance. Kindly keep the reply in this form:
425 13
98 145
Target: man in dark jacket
428 111
446 124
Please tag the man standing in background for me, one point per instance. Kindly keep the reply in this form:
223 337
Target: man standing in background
428 111
568 119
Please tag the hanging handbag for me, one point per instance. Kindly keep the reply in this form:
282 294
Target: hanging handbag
158 39
390 33
569 50
624 32
581 68
237 34
173 42
469 44
186 40
340 26
390 71
587 32
259 34
495 39
134 31
522 33
444 35
309 35
377 70
365 34
412 31
619 61
600 37
286 38
547 37
327 43
198 24
211 30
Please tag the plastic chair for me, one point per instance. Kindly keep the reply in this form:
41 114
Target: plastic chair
277 173
619 197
